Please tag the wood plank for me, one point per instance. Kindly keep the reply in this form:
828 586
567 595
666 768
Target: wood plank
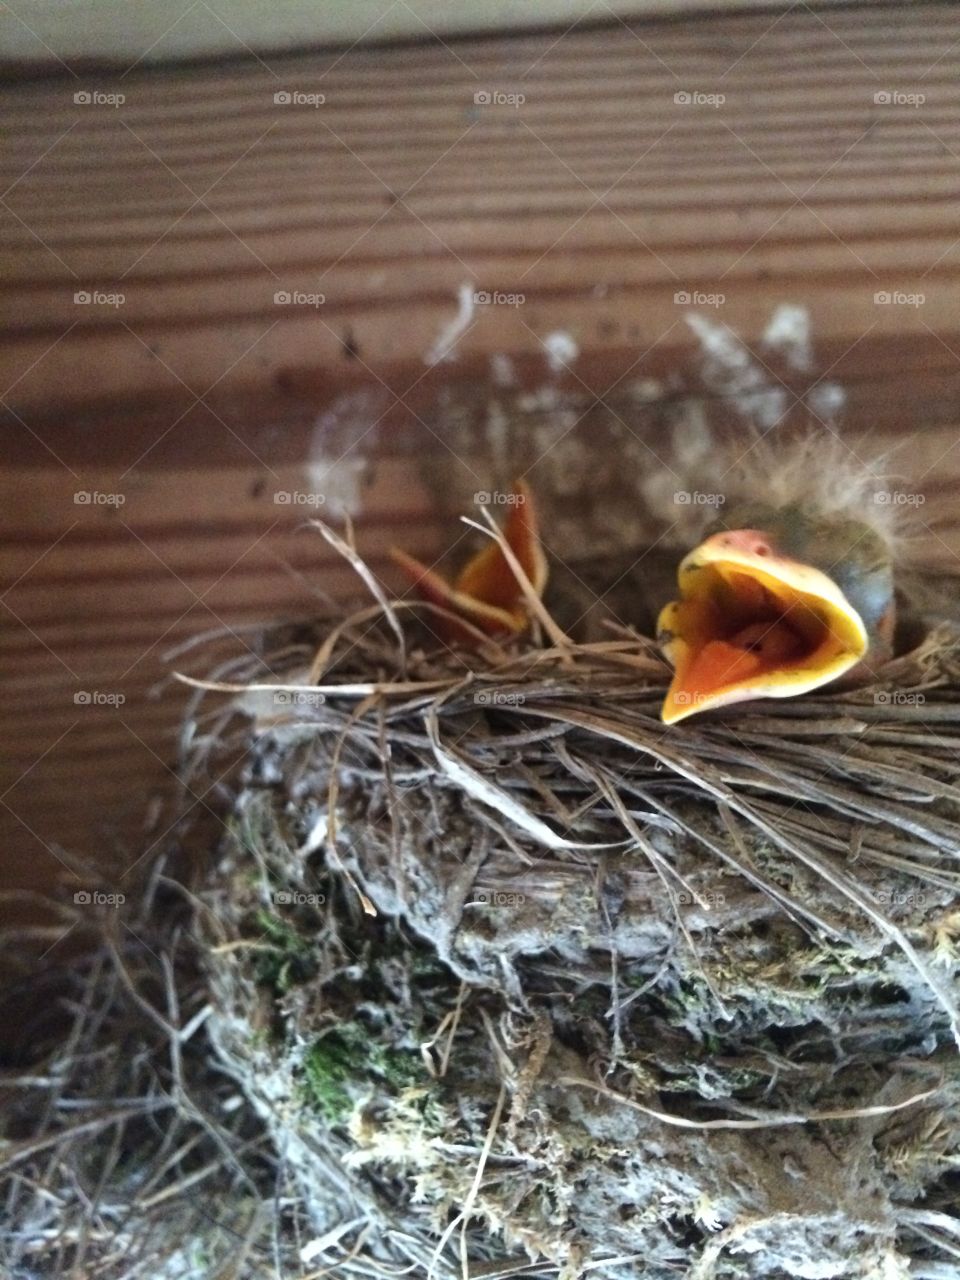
199 398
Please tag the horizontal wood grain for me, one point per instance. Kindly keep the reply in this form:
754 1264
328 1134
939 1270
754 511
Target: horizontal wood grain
597 199
199 399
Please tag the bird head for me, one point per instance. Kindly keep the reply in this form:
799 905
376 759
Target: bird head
486 594
775 601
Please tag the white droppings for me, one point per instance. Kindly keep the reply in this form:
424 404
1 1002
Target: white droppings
340 480
452 332
543 400
502 370
335 472
826 400
561 350
646 390
789 334
730 370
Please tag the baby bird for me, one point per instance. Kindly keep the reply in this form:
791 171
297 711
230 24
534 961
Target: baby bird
787 591
486 593
776 601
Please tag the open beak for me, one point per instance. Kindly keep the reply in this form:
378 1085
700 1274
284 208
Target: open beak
486 593
753 623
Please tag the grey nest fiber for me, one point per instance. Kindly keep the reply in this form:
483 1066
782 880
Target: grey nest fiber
493 975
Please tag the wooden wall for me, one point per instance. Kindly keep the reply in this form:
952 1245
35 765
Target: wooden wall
817 164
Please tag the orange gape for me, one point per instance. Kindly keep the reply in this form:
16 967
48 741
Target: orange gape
752 622
486 593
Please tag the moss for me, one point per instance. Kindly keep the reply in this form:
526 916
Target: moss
350 1055
288 960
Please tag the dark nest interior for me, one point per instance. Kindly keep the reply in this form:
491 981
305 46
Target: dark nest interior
494 975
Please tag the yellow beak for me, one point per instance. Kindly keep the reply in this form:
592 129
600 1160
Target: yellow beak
751 623
486 593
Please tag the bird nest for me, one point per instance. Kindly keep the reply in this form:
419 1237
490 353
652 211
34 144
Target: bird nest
514 980
524 983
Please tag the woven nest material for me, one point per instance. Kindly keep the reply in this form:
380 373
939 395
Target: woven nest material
493 975
524 984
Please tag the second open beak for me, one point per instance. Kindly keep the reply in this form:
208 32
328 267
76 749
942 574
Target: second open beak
752 623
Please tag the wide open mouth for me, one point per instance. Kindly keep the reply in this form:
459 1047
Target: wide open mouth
751 624
487 593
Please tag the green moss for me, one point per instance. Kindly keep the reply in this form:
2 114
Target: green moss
288 958
350 1055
